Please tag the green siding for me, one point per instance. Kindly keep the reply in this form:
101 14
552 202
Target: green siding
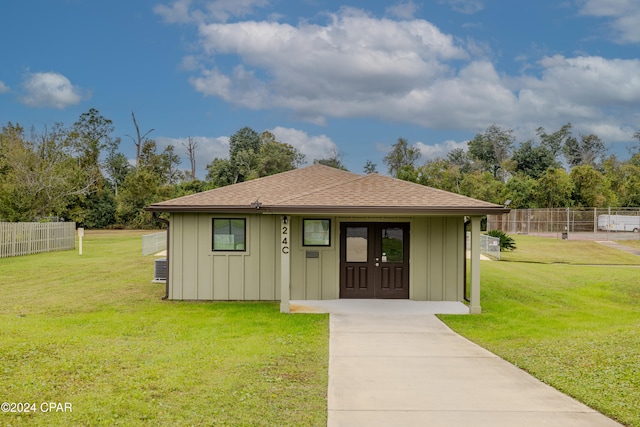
198 273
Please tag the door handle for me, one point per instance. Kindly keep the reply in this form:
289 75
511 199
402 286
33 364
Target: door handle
377 264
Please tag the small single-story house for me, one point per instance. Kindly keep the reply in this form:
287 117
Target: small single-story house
320 233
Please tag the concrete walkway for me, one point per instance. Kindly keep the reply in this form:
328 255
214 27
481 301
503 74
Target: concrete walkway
620 247
388 368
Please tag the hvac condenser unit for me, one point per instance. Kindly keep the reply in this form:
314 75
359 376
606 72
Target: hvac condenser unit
160 270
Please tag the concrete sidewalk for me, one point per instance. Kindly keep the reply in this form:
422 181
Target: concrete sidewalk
398 369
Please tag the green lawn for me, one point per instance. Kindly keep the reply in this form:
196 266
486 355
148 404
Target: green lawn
575 327
92 331
548 251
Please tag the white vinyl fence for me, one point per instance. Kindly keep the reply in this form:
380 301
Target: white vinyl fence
154 243
24 238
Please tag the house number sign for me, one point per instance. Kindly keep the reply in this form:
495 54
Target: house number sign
285 240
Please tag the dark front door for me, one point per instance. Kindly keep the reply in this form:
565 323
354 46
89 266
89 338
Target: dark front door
374 260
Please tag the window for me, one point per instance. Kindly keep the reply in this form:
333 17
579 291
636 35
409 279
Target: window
229 234
317 232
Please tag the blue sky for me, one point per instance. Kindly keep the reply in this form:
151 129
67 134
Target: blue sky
325 75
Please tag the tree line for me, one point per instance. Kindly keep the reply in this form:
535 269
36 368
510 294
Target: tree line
78 172
555 169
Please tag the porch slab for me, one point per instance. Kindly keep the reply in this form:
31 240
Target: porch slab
377 306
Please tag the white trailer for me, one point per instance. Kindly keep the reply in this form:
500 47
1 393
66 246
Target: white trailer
619 223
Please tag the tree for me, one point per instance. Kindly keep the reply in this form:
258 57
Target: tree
482 186
521 190
441 174
117 168
554 142
246 139
220 173
370 167
637 136
251 158
491 149
170 161
533 160
624 180
40 176
275 157
460 158
589 150
554 189
401 156
333 160
591 188
191 151
139 140
90 136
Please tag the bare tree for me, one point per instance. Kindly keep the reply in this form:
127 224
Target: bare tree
191 150
139 140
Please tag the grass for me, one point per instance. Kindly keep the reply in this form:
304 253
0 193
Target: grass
92 330
575 327
550 251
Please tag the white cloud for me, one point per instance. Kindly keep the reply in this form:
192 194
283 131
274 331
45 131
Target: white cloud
407 71
350 67
468 7
3 87
430 152
313 147
403 10
50 90
624 15
177 13
181 11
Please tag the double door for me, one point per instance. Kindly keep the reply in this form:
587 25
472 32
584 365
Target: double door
374 260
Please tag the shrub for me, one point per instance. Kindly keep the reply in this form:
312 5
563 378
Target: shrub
506 242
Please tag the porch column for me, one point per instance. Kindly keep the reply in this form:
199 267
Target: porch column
284 264
475 266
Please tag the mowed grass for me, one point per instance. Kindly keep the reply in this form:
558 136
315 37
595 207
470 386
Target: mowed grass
550 251
575 327
92 331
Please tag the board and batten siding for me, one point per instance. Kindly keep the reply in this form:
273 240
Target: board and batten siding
314 278
437 259
198 273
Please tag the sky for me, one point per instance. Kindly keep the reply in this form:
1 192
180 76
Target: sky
323 75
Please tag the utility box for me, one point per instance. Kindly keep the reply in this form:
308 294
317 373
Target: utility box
160 270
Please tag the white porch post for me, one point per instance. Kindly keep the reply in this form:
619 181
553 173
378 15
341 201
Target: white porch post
475 266
285 272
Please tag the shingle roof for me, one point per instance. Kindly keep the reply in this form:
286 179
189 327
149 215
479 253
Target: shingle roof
321 188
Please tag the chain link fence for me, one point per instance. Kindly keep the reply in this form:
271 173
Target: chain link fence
154 243
489 246
571 223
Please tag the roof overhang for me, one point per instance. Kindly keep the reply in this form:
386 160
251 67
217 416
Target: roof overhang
377 210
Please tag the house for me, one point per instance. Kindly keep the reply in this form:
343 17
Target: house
320 233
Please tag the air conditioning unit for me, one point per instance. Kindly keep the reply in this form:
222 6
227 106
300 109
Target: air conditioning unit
160 270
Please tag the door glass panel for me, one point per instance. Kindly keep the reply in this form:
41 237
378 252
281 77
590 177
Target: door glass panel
356 249
392 247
